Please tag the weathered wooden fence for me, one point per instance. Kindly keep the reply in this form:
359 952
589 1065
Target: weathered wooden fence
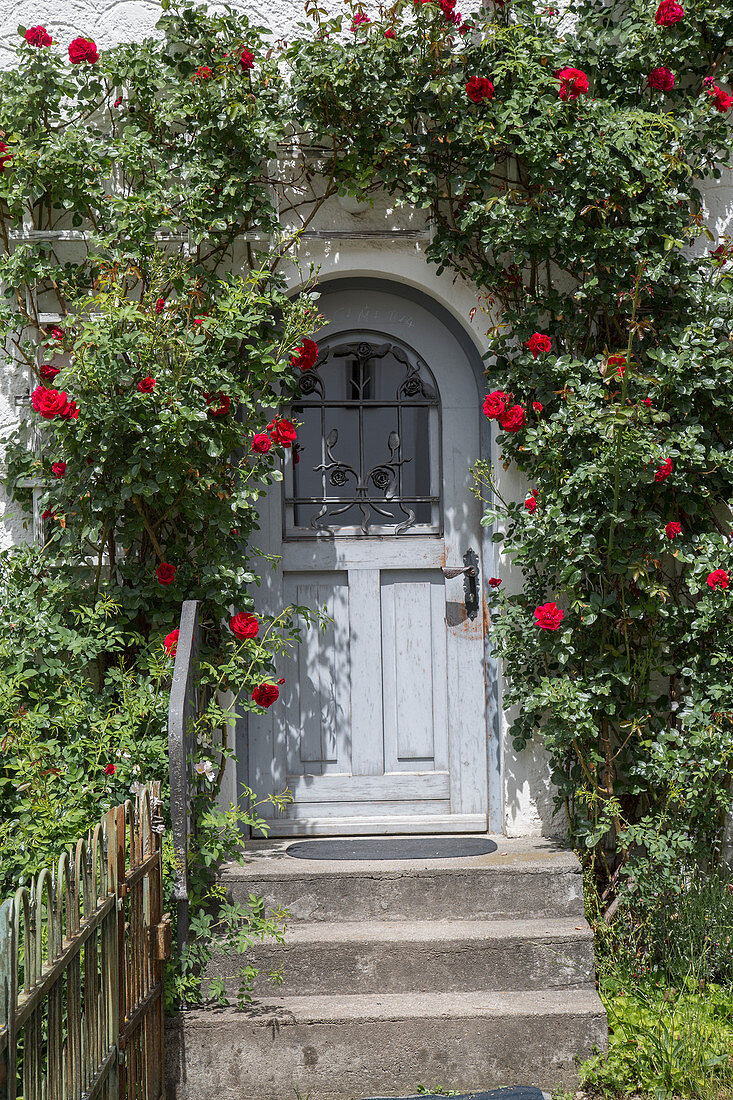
81 968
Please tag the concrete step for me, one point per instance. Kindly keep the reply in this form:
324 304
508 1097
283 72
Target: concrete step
419 956
351 1047
527 877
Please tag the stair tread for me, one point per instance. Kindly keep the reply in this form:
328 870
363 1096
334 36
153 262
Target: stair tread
335 1008
432 931
267 859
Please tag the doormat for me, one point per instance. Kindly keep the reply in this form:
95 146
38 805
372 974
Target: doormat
518 1092
394 847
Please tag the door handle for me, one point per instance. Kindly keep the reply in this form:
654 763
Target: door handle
469 572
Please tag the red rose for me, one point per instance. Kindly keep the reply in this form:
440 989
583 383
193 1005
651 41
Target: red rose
118 101
673 529
661 79
57 334
537 406
495 404
360 20
202 73
71 411
49 403
110 769
646 401
218 404
247 60
573 83
668 13
244 625
531 505
5 156
548 616
494 582
619 362
265 695
539 343
261 443
513 419
58 468
451 16
159 305
49 514
165 573
664 470
479 88
47 372
171 643
282 432
389 33
305 355
38 36
83 49
718 579
721 99
147 385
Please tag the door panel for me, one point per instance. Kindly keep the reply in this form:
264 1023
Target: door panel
382 727
414 671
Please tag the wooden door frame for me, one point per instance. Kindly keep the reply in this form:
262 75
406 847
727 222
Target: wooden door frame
494 754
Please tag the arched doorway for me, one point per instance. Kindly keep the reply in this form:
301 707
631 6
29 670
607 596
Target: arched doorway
382 726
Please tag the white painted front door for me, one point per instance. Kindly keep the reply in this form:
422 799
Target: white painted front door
381 724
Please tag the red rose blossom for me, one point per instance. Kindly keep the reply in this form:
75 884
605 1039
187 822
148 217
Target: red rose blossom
261 443
646 401
110 769
247 60
282 432
389 33
479 88
573 83
71 412
531 505
147 385
548 616
539 343
244 625
159 305
5 156
668 13
171 643
495 404
165 573
664 470
38 36
661 79
218 404
49 403
673 529
360 20
619 362
49 514
513 419
48 372
265 695
83 49
721 99
305 355
202 73
718 579
537 406
57 334
58 468
494 582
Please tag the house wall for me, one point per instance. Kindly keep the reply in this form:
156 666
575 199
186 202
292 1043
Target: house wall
526 790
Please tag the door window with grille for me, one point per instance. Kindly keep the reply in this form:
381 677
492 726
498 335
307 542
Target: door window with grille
367 461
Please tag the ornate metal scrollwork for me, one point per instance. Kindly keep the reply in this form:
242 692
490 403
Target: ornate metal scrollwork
374 489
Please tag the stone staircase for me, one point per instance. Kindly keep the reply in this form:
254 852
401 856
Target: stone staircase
466 973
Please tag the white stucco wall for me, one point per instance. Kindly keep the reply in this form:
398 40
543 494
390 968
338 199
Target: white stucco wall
527 791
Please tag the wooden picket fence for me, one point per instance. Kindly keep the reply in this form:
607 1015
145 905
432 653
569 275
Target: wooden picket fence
81 967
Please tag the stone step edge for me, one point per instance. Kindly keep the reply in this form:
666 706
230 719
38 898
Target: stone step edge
369 1007
495 930
258 869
